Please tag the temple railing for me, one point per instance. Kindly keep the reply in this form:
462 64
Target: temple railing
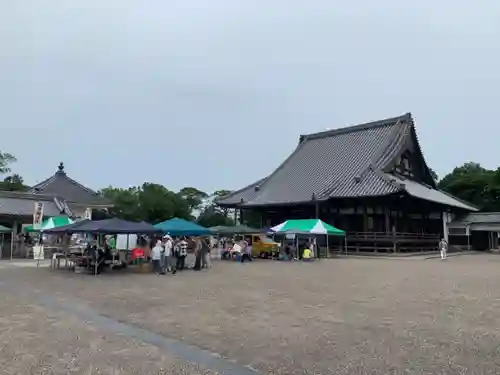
390 236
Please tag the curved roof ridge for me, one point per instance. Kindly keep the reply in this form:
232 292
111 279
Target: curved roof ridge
235 192
41 185
280 167
355 128
393 146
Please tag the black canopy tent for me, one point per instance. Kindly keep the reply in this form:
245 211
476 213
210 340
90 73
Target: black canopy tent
66 228
107 226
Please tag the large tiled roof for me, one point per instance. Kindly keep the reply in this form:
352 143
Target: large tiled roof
341 163
72 191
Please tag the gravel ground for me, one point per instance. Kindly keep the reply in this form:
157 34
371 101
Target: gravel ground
341 316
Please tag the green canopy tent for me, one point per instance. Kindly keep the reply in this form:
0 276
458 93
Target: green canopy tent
51 223
218 229
309 226
181 227
237 229
4 230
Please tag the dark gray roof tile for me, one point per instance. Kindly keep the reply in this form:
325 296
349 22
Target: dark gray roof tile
247 194
23 204
340 163
428 193
72 191
336 163
477 218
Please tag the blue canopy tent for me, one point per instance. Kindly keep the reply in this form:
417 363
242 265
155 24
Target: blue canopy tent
181 227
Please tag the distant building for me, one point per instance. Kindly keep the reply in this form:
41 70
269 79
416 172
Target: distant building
74 197
59 194
370 180
476 230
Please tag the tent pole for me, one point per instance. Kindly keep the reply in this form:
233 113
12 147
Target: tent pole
12 240
99 239
327 246
345 244
296 246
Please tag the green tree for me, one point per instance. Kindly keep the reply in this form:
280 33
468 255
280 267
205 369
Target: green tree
217 195
125 202
210 217
193 197
157 203
473 183
13 183
150 202
5 160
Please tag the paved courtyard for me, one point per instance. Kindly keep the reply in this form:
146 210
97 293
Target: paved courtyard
340 316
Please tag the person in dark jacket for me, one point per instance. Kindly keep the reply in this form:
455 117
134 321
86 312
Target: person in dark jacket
199 253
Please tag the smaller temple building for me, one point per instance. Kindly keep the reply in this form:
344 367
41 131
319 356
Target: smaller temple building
476 231
59 194
370 180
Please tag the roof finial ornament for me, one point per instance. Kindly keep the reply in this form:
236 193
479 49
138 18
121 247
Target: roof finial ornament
60 168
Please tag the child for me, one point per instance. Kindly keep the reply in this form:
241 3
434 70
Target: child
156 255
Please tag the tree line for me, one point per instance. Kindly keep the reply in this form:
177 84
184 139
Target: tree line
152 202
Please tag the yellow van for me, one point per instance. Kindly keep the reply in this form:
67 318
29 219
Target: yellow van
263 246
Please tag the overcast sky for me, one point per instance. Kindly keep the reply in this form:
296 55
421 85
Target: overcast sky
215 94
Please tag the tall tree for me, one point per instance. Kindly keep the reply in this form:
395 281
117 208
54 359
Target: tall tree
13 183
210 217
150 202
5 160
193 197
219 194
472 183
157 203
125 202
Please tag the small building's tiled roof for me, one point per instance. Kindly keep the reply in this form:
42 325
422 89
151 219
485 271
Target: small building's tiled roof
428 193
342 163
23 204
70 190
476 218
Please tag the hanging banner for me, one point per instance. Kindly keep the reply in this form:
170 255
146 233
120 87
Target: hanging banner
88 214
38 215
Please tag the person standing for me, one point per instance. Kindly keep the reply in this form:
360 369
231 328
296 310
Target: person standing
205 252
156 254
181 253
246 253
312 247
169 259
198 254
443 247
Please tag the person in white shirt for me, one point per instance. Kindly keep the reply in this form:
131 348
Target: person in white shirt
156 254
312 247
168 244
443 247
